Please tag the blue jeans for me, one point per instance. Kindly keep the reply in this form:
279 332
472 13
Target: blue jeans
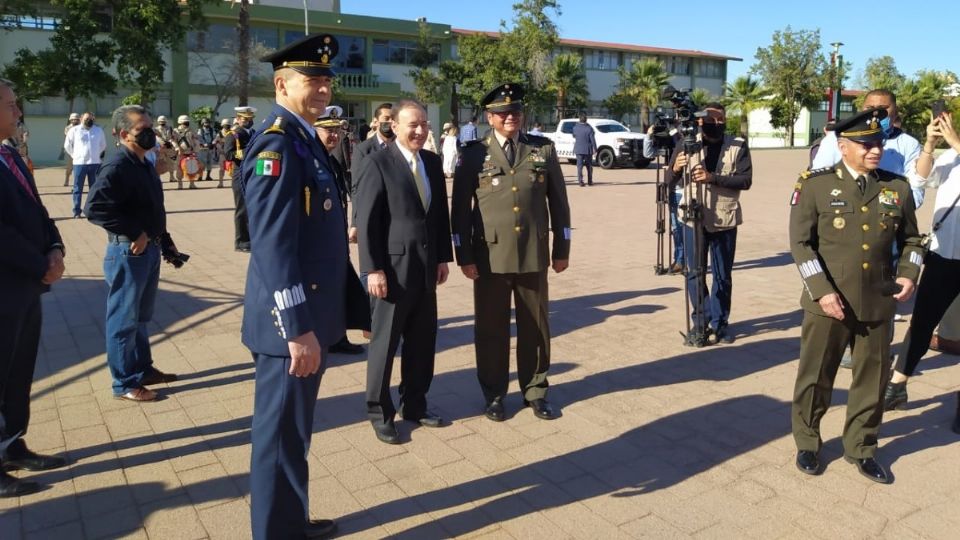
721 247
79 173
676 228
584 159
132 281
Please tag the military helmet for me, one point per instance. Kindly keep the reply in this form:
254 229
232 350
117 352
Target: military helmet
183 119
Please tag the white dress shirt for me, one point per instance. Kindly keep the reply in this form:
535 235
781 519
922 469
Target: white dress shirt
85 145
946 175
409 157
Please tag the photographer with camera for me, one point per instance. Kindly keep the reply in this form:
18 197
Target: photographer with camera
717 171
127 201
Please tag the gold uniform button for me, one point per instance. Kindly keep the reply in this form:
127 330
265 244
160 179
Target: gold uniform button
836 211
512 172
517 229
516 209
866 227
866 266
864 209
515 188
866 247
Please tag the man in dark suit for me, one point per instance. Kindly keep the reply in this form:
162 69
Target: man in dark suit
384 136
30 260
584 146
404 229
294 305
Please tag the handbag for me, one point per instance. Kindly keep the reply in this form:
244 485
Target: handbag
926 239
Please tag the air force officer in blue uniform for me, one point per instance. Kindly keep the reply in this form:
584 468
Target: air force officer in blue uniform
294 305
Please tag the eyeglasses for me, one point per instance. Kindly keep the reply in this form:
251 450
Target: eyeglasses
504 114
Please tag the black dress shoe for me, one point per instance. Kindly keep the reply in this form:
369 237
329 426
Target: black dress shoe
542 409
427 420
14 487
386 432
320 528
345 347
895 396
157 377
870 468
725 336
495 410
808 462
32 461
243 248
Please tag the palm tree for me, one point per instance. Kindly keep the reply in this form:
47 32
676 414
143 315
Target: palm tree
643 82
567 78
742 96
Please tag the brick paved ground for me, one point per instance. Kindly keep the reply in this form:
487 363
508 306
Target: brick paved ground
656 439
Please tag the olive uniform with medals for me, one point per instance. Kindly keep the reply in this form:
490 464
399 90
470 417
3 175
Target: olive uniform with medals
296 284
841 236
502 215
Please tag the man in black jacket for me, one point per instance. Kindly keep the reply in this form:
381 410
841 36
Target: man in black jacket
383 137
30 260
404 230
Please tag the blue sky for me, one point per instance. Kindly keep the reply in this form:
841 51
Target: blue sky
918 35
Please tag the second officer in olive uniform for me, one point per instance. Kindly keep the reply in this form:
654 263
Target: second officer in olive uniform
843 222
508 193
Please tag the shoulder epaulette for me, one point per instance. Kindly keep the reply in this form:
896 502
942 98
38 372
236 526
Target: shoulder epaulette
810 173
277 126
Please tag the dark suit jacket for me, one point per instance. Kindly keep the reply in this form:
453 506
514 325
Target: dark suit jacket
396 235
27 234
357 160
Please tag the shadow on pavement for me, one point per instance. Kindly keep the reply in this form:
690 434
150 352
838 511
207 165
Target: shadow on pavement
780 259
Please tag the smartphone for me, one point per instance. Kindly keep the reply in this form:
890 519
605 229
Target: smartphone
938 107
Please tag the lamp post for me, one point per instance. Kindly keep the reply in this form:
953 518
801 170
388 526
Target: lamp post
306 21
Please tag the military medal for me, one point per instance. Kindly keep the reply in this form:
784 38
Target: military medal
327 204
306 196
839 222
495 181
835 192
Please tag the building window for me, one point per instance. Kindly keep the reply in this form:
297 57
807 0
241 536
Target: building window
679 65
602 60
846 106
712 69
395 51
823 105
218 38
29 23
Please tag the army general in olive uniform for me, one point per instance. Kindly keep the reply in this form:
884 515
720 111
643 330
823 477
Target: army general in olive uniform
843 222
508 193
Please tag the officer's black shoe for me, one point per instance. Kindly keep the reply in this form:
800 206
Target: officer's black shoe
428 420
157 377
32 461
870 468
495 410
11 486
320 528
542 409
724 335
345 347
386 432
895 396
242 248
808 462
582 184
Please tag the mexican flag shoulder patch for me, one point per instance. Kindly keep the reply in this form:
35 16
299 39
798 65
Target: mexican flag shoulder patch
268 165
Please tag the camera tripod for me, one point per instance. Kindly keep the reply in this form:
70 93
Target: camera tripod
694 270
664 241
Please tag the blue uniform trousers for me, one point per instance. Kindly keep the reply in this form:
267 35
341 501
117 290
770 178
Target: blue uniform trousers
283 407
721 247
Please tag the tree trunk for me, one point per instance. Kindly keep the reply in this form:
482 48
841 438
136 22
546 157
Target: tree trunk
454 105
744 127
243 53
561 105
644 117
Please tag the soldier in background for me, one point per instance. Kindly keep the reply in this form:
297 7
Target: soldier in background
233 145
167 139
72 120
844 220
207 151
187 145
508 192
226 127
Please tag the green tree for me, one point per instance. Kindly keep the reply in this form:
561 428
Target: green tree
140 33
427 78
916 97
643 82
528 46
619 104
742 96
567 79
882 73
75 65
793 67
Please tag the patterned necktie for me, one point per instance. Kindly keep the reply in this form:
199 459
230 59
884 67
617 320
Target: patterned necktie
418 179
12 165
509 151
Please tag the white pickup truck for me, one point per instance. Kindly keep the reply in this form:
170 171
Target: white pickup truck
616 145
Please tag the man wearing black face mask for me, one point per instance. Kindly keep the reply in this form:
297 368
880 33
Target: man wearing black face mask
127 201
724 169
384 136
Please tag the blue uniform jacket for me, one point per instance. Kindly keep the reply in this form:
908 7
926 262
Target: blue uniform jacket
298 265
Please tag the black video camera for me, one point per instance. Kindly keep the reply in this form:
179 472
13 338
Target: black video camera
685 116
169 252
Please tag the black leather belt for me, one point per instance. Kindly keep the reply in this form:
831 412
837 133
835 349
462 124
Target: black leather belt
120 238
